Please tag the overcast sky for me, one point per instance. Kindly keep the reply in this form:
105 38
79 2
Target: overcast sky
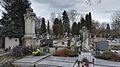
100 11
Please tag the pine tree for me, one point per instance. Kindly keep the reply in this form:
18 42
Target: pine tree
56 21
88 20
48 28
61 27
66 22
13 18
74 29
90 23
83 23
108 27
43 27
107 30
56 27
79 27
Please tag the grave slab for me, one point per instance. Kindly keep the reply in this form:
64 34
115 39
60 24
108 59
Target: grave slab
29 61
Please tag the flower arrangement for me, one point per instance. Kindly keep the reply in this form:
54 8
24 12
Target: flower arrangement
37 52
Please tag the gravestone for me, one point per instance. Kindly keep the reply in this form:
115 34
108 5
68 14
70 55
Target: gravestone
29 36
47 42
102 45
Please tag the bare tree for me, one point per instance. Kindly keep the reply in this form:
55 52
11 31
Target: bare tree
116 21
89 2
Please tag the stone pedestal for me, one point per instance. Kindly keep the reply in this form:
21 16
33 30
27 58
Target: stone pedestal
29 41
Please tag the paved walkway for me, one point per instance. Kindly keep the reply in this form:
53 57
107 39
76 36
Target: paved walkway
2 52
30 61
57 62
99 62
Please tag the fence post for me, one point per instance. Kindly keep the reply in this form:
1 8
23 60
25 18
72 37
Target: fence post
78 63
34 65
93 62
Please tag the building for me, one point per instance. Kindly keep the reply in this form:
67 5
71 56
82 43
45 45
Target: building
6 42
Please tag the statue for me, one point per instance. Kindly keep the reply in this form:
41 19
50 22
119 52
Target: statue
85 39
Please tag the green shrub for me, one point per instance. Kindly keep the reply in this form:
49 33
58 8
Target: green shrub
72 54
105 55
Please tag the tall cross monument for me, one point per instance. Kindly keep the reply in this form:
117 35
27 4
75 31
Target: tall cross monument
29 36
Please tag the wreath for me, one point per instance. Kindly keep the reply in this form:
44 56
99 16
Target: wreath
85 61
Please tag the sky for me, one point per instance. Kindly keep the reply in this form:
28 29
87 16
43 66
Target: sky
101 10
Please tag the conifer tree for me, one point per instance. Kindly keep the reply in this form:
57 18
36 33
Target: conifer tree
74 29
48 28
66 22
13 18
43 27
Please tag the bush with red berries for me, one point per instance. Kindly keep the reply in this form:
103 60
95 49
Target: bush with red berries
66 53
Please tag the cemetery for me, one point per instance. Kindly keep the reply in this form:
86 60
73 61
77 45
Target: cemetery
28 41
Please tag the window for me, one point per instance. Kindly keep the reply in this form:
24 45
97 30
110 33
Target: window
16 40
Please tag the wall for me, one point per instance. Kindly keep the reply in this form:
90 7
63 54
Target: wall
12 42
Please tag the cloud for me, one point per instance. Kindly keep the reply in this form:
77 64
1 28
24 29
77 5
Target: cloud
101 11
110 11
59 3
